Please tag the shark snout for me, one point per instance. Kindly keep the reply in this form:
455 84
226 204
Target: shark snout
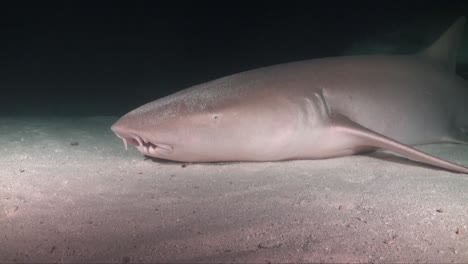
118 128
123 128
122 132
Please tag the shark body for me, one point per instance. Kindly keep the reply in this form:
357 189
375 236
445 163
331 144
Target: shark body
312 109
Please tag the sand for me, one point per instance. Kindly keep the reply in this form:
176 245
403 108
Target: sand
69 192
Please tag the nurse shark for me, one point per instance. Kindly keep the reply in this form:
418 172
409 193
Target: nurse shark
312 109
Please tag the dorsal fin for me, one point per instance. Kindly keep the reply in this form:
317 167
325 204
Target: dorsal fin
445 49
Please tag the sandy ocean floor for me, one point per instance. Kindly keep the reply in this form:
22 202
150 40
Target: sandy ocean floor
69 192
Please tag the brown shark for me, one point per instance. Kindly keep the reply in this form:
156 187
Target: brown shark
313 109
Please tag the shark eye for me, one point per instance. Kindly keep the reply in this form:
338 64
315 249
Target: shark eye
215 116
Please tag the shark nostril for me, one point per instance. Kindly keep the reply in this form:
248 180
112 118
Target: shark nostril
137 139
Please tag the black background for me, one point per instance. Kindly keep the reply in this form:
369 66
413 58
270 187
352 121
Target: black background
108 57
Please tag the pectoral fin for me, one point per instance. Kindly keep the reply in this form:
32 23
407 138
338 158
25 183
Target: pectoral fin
360 137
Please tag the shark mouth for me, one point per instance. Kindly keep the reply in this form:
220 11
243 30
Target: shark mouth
145 146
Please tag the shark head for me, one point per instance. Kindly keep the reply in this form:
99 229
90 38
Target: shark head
164 128
205 123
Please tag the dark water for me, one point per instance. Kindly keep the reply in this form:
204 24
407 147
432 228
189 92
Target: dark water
106 58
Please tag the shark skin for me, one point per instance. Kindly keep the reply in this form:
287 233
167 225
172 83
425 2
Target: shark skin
312 109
